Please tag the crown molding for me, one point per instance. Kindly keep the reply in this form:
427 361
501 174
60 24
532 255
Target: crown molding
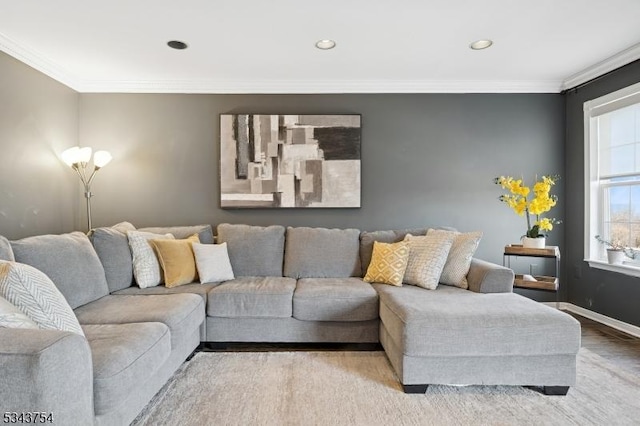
320 87
37 61
616 61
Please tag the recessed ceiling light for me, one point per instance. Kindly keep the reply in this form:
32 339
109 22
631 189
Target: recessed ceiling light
481 44
178 45
325 44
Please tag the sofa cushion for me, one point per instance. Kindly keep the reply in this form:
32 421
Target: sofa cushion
112 246
182 313
12 317
388 263
146 267
193 288
205 232
450 321
33 293
252 297
70 261
334 299
322 253
177 260
254 251
124 356
5 250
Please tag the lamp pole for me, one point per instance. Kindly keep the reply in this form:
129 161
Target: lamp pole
78 160
80 169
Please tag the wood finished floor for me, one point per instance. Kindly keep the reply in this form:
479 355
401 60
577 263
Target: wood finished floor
620 348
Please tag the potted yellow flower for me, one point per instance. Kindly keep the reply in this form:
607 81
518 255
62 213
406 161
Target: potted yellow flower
542 202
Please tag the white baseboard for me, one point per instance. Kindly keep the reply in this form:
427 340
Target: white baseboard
603 319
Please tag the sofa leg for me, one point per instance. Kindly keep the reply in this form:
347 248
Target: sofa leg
415 388
550 390
555 390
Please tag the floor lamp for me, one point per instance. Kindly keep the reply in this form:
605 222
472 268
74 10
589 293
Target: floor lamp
78 159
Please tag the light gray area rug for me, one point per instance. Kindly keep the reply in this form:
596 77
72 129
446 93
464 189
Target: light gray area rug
360 388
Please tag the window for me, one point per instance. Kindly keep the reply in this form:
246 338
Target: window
612 165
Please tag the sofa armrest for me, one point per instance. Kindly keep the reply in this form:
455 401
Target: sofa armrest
46 371
487 277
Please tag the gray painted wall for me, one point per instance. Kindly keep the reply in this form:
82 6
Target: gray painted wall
427 159
38 120
609 293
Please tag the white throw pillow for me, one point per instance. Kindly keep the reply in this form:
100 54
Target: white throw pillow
212 261
146 268
12 317
31 291
459 259
427 256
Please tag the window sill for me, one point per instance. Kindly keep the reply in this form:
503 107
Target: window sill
625 268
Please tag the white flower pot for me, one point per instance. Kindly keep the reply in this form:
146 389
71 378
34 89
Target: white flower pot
615 257
537 243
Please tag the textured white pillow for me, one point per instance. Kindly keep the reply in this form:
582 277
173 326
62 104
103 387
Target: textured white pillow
31 291
427 256
459 259
212 261
146 268
12 317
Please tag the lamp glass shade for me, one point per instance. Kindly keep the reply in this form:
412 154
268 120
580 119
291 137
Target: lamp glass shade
84 154
101 158
70 155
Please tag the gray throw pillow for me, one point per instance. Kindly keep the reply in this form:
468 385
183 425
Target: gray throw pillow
146 267
70 261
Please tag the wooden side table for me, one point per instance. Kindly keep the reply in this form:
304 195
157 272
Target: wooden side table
542 282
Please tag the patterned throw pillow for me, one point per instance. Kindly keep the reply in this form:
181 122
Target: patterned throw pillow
427 257
31 291
388 263
176 258
146 268
12 317
213 262
459 259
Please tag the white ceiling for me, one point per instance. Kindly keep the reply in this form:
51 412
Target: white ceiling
255 46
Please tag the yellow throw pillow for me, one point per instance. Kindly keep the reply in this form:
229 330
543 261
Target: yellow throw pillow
177 260
388 263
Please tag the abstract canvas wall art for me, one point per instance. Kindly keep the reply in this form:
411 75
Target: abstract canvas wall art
289 161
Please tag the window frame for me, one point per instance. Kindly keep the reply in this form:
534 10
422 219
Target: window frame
594 191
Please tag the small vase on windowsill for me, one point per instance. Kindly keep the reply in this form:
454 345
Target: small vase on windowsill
615 256
536 243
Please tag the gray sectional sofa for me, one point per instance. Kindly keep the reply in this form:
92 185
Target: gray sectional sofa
292 285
